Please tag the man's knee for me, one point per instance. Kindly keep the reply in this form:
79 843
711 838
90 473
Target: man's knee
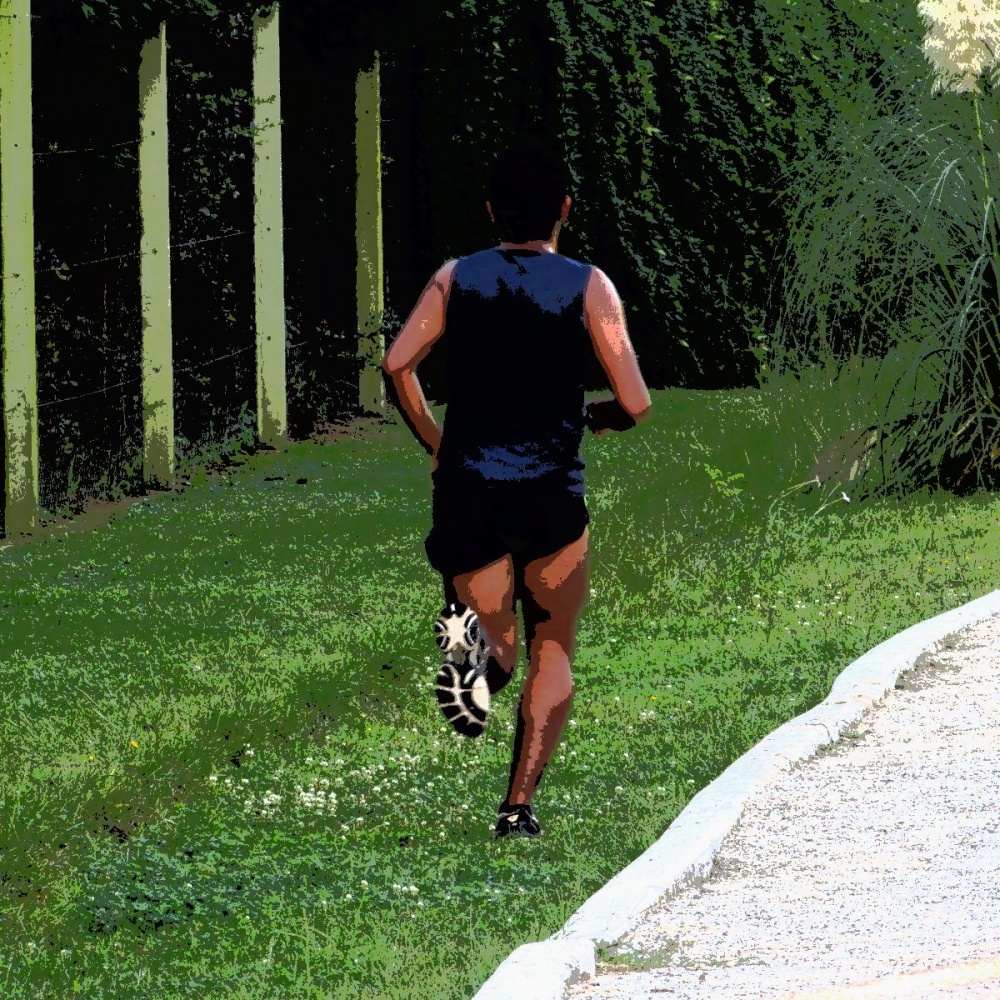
543 625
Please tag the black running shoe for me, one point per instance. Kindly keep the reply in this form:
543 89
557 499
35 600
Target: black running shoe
517 819
462 691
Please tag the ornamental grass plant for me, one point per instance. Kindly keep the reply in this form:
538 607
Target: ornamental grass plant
891 266
225 772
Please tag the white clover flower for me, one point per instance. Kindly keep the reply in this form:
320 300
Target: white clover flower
213 777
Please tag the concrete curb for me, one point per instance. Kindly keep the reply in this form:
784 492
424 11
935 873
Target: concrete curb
542 970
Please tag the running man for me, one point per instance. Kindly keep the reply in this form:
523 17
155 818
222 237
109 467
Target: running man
509 517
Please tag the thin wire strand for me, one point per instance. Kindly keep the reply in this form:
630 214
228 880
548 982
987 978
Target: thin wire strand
90 149
137 381
136 253
63 268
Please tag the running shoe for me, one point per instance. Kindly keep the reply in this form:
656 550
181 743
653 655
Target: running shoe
462 691
517 819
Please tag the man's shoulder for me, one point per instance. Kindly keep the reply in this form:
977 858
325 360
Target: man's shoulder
580 265
568 263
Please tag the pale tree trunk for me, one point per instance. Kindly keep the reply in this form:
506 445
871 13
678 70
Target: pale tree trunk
371 341
154 208
269 260
17 240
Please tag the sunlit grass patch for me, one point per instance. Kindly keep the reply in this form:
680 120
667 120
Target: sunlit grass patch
225 765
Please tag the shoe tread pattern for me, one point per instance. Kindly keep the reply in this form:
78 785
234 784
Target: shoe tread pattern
461 689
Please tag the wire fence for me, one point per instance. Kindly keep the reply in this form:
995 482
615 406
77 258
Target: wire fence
88 262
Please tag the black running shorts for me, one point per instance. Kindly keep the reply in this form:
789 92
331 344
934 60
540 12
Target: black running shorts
474 525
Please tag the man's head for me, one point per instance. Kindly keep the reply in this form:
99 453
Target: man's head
526 191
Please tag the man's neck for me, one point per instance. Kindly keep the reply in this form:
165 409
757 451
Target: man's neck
542 246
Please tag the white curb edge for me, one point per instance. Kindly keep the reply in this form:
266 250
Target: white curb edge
542 970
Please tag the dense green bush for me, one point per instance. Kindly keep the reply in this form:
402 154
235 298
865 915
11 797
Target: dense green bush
146 13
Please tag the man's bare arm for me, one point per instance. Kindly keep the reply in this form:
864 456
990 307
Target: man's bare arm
605 319
420 332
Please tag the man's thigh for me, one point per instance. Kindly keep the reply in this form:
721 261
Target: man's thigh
489 589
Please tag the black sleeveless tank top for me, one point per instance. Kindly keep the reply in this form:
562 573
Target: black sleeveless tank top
517 352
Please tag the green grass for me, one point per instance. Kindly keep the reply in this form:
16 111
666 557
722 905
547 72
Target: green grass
225 772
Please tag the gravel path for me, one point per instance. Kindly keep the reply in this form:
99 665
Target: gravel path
870 870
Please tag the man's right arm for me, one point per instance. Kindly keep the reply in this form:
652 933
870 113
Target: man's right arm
605 319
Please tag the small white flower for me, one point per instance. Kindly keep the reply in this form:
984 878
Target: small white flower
348 897
213 777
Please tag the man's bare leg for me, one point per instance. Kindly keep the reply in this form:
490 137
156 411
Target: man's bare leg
489 591
556 588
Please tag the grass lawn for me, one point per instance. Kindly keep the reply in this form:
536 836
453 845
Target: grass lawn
224 769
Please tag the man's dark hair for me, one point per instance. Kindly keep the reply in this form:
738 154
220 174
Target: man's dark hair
526 189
